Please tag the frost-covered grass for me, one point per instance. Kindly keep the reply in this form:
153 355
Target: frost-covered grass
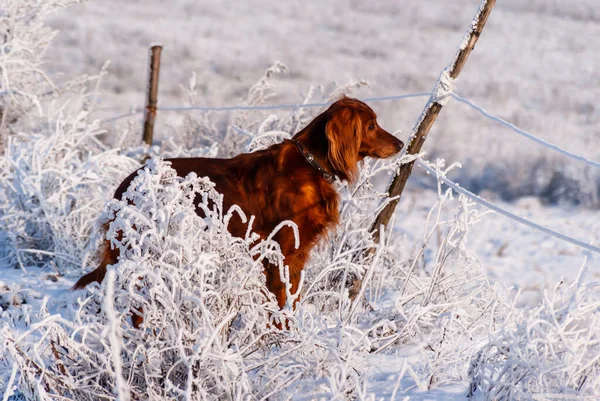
552 349
454 302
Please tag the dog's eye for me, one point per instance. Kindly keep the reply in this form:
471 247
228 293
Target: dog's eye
371 127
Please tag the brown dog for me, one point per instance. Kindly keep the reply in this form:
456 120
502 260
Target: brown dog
291 180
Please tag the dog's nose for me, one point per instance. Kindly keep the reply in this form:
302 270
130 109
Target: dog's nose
399 146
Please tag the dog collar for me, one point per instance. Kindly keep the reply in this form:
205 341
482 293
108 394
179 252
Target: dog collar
311 160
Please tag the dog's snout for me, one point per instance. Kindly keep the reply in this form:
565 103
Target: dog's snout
390 146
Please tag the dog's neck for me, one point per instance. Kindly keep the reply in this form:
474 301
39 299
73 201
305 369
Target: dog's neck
314 150
314 142
311 159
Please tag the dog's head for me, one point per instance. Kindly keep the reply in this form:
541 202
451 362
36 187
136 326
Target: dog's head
353 133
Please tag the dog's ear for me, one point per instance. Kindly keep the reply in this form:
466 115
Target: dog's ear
344 133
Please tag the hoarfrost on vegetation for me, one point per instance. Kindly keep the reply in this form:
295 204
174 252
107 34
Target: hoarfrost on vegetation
24 84
207 332
53 185
552 349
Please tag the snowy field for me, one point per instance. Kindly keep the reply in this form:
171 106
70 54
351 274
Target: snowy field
459 302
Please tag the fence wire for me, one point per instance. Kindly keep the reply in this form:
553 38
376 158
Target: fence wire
504 212
265 107
523 133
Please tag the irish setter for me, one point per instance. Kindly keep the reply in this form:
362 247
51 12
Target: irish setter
292 180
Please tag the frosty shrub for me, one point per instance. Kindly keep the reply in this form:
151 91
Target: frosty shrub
547 352
443 303
206 332
53 185
192 279
24 40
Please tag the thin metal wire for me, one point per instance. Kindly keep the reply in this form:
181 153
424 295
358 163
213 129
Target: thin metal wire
523 133
508 214
265 107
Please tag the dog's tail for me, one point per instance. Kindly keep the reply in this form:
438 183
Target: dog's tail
94 276
109 257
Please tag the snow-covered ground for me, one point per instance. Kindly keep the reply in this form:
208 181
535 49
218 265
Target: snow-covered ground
536 65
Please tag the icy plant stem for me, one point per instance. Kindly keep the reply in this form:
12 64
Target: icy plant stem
8 392
114 337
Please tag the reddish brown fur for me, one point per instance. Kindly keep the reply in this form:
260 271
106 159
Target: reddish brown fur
278 184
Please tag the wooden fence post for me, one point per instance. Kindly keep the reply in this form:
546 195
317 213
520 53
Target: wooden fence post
426 119
429 114
152 94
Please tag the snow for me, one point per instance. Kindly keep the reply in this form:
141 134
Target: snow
442 92
458 298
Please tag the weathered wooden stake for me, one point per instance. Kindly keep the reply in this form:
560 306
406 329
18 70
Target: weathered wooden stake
429 115
426 119
151 101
